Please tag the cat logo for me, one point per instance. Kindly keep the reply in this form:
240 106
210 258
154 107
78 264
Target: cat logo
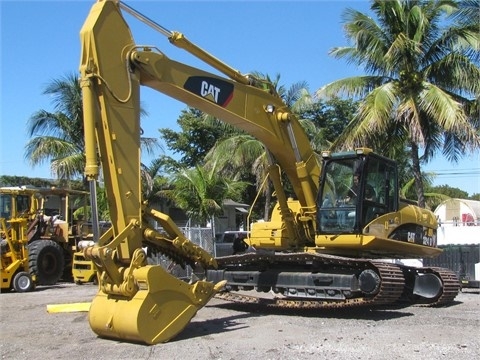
215 90
209 91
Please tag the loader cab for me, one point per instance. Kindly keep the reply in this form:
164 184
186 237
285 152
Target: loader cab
355 188
12 205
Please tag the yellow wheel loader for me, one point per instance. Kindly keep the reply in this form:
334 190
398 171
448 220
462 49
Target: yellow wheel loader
41 219
324 244
14 271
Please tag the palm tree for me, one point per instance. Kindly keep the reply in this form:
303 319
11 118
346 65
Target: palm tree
154 181
421 80
238 156
200 192
102 207
58 136
296 97
317 136
240 153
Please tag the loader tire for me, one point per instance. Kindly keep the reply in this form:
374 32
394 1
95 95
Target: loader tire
46 260
22 282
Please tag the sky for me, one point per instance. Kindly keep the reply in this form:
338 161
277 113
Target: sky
40 43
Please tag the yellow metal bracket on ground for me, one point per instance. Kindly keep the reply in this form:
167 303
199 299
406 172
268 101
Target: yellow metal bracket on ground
63 308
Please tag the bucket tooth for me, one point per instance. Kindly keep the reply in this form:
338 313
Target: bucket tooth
159 310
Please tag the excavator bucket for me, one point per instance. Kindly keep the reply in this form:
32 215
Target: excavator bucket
160 309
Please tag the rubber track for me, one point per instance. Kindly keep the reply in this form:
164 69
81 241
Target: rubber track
391 288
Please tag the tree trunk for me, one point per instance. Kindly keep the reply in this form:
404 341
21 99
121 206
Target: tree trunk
417 174
268 200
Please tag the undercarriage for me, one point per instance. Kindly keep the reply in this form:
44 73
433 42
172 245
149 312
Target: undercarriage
313 280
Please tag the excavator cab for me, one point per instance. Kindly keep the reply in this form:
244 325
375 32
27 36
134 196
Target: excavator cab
356 187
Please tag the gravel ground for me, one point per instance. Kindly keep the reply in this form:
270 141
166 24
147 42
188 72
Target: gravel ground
223 330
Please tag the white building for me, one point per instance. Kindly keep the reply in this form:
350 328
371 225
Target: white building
458 235
459 222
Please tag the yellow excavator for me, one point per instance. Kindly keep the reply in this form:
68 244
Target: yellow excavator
324 243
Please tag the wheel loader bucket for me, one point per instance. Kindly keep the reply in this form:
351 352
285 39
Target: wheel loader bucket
160 309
